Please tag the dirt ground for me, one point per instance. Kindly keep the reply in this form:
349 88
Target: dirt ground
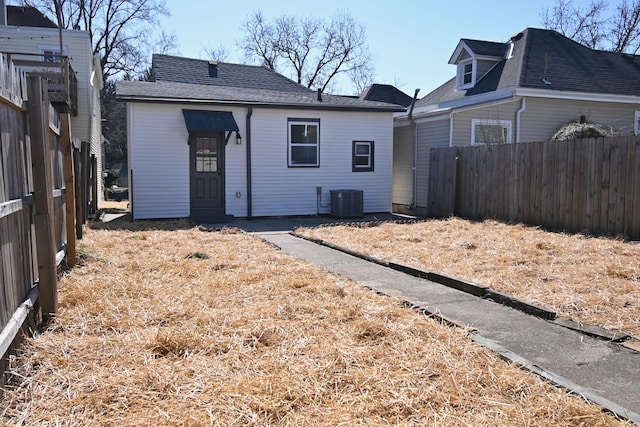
588 279
163 324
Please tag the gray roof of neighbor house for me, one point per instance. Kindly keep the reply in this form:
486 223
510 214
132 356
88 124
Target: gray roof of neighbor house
485 48
545 59
24 16
200 81
386 93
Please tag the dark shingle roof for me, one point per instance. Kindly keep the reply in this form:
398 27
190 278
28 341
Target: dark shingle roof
188 80
480 47
386 93
541 56
23 16
187 70
194 93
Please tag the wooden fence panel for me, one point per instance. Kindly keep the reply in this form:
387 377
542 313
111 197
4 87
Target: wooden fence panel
27 205
444 192
635 225
591 185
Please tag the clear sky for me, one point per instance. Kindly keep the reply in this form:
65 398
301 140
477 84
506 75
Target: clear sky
410 40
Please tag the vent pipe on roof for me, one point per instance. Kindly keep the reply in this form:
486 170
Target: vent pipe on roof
213 69
320 94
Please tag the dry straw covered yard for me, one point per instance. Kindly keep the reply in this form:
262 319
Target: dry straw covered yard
182 327
588 279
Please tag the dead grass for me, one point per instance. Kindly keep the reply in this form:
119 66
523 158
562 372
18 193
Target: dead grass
190 328
591 280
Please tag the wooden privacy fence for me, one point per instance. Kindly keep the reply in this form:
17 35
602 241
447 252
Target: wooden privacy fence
583 185
37 205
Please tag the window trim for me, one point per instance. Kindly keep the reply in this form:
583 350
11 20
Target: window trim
492 122
290 145
461 73
371 156
636 123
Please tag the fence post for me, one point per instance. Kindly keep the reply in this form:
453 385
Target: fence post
43 194
69 185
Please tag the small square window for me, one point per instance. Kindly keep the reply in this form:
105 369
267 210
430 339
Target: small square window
362 156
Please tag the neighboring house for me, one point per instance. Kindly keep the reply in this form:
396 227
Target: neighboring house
210 140
385 93
32 42
523 90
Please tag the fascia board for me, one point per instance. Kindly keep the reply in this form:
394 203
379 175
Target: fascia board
482 98
456 53
577 96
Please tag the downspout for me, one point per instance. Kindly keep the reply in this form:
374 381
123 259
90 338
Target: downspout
414 129
523 107
248 144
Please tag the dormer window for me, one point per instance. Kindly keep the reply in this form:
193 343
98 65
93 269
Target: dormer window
474 59
466 74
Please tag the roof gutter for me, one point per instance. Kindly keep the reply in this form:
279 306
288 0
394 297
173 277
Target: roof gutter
414 128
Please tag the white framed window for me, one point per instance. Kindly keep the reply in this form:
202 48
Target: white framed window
636 123
362 156
490 132
304 142
466 74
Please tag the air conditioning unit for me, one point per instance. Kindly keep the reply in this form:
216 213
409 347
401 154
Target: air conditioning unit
347 203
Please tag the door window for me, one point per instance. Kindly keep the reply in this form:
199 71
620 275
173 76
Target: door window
206 154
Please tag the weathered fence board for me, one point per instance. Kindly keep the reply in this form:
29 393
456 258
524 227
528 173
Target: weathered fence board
33 202
585 185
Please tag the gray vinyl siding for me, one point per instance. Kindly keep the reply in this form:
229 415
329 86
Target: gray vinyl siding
431 134
483 68
461 132
403 166
543 117
282 190
159 162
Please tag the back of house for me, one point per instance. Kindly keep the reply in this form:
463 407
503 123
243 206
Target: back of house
213 140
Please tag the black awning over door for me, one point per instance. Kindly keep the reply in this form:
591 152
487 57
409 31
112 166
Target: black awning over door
203 121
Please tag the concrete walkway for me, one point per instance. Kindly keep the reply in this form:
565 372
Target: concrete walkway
602 371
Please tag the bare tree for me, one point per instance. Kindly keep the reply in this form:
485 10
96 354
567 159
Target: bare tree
120 30
596 25
219 53
625 28
312 51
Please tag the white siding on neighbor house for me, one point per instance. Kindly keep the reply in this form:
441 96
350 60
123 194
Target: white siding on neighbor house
159 161
431 134
77 45
402 166
543 117
462 120
282 190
